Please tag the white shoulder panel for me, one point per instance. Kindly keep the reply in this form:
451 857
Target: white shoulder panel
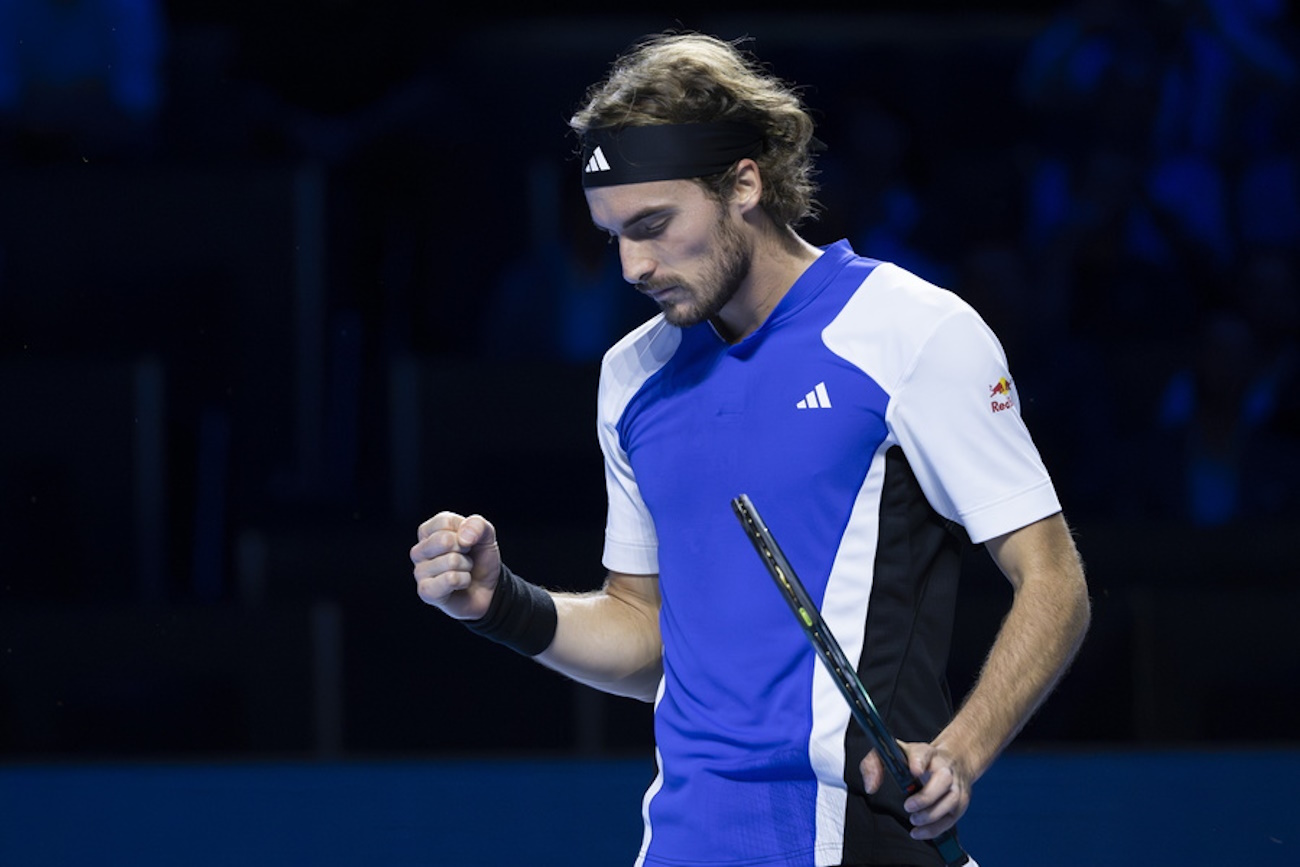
631 545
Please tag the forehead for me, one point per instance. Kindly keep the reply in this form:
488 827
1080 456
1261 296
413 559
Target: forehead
615 207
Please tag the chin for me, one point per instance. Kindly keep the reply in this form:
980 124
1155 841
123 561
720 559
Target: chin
684 317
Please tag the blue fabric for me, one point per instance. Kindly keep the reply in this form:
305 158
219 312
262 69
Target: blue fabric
716 421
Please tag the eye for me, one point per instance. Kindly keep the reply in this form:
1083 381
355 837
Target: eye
648 230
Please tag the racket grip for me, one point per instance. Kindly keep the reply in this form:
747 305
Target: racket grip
949 849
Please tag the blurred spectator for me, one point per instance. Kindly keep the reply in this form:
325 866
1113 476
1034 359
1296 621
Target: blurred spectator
1226 51
564 298
892 207
1219 416
1266 198
1206 406
1214 131
1090 82
1162 154
1270 297
1091 79
80 78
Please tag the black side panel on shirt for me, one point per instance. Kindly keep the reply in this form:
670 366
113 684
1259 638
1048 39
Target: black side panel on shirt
904 657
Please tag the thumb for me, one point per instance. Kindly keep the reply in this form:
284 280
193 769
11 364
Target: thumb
873 772
476 532
918 759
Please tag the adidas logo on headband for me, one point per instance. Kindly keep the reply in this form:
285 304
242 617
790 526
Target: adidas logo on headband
662 152
597 163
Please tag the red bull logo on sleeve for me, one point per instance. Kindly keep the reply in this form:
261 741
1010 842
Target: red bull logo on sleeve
1000 395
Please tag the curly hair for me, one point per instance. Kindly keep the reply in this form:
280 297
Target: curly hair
676 78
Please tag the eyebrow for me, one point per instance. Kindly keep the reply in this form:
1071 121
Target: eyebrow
638 217
645 214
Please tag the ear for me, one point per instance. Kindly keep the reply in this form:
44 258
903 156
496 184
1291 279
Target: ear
748 188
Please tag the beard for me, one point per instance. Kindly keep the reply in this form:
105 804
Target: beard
699 300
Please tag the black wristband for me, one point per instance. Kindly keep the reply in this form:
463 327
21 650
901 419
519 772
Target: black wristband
521 616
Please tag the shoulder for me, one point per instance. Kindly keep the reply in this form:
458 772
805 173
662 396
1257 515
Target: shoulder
902 300
894 316
634 359
641 351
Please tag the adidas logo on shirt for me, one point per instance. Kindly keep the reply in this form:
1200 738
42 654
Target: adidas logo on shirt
818 398
597 163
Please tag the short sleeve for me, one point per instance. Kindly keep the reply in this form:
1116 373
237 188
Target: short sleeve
631 542
956 414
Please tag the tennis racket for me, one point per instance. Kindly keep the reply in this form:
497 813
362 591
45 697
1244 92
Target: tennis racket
842 672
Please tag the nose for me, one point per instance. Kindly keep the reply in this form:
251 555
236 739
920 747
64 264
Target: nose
637 265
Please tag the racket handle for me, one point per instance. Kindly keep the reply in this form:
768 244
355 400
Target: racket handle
949 849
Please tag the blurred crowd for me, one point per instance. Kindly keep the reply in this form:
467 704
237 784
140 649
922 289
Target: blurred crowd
1126 214
1120 199
1161 226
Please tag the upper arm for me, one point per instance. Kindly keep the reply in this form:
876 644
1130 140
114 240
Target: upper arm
1042 553
638 591
634 602
609 639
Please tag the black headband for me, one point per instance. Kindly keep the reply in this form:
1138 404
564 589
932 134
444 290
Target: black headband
665 152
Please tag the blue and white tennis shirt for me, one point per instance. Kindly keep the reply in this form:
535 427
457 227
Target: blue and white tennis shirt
871 419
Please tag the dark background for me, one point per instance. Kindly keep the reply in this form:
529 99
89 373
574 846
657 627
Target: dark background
320 270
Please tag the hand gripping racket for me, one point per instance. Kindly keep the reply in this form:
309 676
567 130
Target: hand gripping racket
842 672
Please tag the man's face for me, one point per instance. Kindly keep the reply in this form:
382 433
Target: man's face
677 245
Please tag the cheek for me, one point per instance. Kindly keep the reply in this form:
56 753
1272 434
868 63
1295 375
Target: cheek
700 250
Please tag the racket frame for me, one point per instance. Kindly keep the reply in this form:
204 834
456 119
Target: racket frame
837 664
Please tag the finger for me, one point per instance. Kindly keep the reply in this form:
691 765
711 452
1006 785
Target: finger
929 824
448 583
919 758
942 801
437 588
936 780
476 532
873 772
940 796
441 521
437 543
444 562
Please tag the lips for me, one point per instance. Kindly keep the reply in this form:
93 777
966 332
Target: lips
659 293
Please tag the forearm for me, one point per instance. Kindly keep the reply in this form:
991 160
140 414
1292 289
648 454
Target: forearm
607 641
1037 641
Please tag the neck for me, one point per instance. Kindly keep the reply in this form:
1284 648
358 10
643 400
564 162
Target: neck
780 256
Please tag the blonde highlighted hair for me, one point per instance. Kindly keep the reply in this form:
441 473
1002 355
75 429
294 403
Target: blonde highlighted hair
675 78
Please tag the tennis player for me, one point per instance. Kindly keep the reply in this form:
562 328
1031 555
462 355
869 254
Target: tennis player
875 420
